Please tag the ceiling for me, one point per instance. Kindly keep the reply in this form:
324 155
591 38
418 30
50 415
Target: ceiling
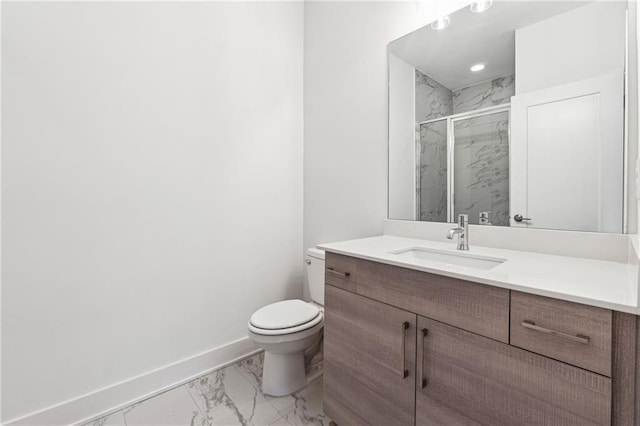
472 38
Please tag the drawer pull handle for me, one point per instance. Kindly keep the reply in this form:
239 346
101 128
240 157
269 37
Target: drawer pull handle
423 380
577 338
342 274
405 372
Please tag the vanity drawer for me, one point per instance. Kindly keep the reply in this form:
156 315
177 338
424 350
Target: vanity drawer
340 271
570 332
478 308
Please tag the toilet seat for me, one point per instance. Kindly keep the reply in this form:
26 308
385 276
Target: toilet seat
286 317
283 331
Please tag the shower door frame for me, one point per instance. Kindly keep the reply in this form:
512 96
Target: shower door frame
451 120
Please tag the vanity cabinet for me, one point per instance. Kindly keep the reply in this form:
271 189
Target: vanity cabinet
340 271
404 347
369 361
576 334
474 307
469 379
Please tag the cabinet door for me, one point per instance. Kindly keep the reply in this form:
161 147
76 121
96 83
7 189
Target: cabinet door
466 379
369 361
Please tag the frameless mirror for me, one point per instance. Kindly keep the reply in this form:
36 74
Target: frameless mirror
514 116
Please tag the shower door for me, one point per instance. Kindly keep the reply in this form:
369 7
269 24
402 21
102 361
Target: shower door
463 167
479 167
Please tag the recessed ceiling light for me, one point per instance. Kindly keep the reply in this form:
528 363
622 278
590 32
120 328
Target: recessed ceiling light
441 23
477 67
480 5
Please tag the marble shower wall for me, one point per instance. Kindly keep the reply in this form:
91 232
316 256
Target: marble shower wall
481 168
481 155
481 158
490 93
433 100
432 193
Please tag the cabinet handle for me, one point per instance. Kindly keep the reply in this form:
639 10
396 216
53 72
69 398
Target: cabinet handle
405 372
423 380
577 338
342 274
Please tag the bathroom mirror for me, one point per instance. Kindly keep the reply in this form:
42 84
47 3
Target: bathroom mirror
514 115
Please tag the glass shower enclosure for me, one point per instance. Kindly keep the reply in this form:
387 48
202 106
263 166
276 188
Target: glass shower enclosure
463 167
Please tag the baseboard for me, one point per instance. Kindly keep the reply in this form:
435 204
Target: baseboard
104 401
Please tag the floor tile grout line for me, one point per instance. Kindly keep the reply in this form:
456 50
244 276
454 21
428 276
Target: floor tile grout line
285 414
246 378
282 418
250 374
109 413
247 381
258 387
129 408
276 408
268 398
204 416
258 390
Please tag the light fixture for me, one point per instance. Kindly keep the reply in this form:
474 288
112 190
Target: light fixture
480 6
477 67
441 23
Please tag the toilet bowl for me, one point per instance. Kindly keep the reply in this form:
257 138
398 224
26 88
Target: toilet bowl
286 329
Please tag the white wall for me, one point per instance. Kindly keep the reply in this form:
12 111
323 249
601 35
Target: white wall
151 185
585 42
633 175
631 117
402 139
345 113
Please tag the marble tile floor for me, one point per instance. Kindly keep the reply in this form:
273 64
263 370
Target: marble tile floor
229 396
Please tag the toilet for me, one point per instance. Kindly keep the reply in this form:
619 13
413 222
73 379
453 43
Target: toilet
287 330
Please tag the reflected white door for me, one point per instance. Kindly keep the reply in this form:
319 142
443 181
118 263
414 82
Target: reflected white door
567 156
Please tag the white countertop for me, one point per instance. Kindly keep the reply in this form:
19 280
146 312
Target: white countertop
611 285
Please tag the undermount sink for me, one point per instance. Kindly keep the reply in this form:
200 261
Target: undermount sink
459 259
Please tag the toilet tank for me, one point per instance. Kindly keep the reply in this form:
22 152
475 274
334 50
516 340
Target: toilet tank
315 274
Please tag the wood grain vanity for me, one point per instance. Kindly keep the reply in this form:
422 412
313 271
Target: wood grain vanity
405 347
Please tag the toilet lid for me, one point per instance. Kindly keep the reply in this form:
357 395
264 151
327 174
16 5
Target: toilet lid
285 314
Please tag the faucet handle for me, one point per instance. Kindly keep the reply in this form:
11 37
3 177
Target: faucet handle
463 219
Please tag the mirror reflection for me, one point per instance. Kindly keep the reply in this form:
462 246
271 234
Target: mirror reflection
514 116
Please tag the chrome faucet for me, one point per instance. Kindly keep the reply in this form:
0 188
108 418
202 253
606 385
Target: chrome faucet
463 232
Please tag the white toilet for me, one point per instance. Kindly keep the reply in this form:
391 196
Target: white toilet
285 330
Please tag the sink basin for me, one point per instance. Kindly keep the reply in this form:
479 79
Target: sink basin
441 256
